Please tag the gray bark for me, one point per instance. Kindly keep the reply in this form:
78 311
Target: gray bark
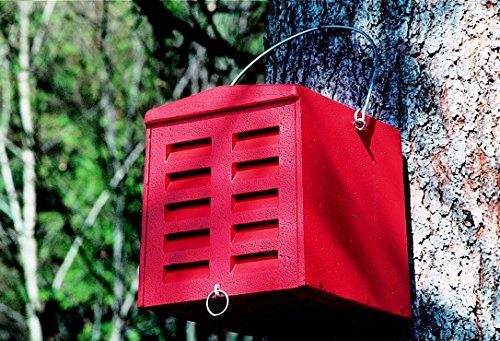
439 85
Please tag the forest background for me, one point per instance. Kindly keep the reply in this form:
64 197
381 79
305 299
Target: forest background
76 79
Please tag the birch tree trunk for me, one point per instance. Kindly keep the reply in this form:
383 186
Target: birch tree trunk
122 304
439 84
28 250
110 135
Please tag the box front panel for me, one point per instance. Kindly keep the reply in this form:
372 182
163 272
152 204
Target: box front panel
221 205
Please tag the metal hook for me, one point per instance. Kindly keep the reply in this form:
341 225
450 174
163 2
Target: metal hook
359 122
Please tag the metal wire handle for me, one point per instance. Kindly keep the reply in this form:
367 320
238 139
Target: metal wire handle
359 121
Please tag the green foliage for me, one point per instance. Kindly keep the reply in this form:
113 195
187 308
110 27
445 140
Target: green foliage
86 333
83 59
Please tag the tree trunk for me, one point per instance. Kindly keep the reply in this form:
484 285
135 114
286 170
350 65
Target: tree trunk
439 85
28 249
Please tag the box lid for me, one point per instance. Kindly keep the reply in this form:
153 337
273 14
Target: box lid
222 98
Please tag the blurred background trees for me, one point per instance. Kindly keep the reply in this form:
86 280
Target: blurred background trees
76 79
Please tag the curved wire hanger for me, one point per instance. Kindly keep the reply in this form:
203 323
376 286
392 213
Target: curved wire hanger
359 121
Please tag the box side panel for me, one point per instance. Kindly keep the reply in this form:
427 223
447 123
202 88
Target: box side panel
354 207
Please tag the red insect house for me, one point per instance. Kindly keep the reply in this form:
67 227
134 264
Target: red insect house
263 202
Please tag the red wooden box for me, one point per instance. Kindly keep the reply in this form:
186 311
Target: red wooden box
269 191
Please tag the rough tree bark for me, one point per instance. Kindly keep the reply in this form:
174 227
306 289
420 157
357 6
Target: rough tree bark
440 85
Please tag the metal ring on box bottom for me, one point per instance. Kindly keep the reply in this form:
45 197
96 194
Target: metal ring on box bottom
217 292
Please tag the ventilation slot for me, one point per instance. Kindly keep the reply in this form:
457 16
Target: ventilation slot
189 150
188 179
243 233
262 261
263 168
182 241
187 210
186 272
255 200
256 138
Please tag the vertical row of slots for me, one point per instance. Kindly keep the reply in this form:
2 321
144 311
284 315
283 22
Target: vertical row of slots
247 171
188 240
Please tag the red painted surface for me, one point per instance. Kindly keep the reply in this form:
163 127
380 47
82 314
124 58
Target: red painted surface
269 191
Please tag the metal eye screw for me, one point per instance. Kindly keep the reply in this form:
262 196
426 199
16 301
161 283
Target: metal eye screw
219 293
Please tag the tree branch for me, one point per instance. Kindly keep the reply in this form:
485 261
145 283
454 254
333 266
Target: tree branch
38 40
15 206
192 73
106 102
11 146
130 297
94 212
164 22
135 82
12 314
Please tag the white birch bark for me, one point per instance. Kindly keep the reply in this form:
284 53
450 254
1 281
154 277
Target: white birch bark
13 199
440 85
110 136
123 302
40 35
121 306
26 236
